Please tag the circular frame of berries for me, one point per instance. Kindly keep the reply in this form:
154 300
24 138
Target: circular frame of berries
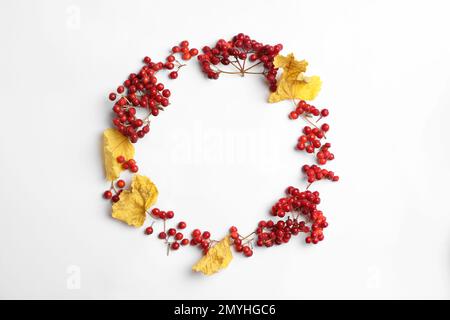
295 213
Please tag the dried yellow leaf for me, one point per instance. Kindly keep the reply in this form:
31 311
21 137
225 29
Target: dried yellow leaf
133 203
217 258
307 89
291 67
293 84
115 144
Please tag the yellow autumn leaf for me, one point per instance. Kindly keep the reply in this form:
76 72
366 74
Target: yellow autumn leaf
293 84
115 144
307 89
133 203
291 67
217 258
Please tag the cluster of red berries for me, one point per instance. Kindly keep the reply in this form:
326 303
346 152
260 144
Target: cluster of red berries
305 109
186 54
240 243
198 238
164 215
108 194
129 164
142 90
173 237
315 173
236 52
324 155
270 232
298 203
202 240
310 140
304 202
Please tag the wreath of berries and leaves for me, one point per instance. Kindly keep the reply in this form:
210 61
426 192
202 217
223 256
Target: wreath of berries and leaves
142 98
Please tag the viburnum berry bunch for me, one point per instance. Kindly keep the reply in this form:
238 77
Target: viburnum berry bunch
142 90
236 53
141 97
315 173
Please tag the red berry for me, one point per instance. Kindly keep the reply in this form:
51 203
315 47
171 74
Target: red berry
197 240
181 225
112 96
170 214
184 43
324 112
196 233
148 230
186 56
169 65
184 242
120 183
155 212
176 49
171 232
293 115
173 75
164 102
193 52
107 194
206 235
204 244
178 236
162 235
115 198
175 246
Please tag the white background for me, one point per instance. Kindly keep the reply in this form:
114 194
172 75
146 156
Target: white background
220 155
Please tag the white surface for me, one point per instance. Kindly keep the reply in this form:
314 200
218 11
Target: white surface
223 155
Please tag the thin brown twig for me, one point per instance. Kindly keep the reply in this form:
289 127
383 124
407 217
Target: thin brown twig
231 62
256 64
